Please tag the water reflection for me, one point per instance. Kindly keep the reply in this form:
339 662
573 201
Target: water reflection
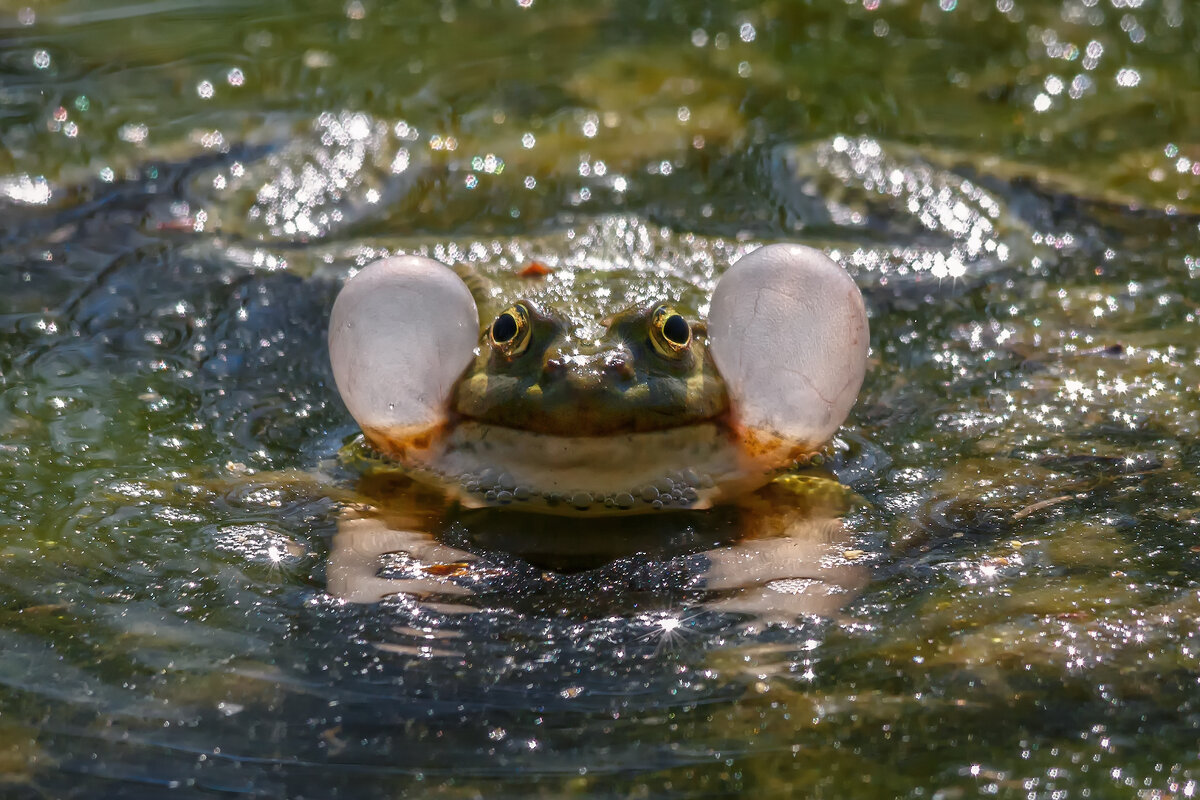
781 554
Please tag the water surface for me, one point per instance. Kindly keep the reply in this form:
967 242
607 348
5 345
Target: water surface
1003 599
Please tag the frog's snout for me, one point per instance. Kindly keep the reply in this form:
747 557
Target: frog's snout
619 364
584 373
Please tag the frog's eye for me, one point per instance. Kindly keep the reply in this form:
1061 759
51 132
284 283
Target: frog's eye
509 333
670 333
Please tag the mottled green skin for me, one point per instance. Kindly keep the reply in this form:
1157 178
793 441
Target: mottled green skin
588 372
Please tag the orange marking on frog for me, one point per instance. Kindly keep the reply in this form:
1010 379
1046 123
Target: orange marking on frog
766 446
399 444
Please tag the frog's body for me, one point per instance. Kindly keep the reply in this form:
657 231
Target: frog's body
600 393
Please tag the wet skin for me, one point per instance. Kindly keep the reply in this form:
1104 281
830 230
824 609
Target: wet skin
650 371
598 394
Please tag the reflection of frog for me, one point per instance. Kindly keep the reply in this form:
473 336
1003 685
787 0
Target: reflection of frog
778 553
605 398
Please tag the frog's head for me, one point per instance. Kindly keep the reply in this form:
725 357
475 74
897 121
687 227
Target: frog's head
647 409
649 370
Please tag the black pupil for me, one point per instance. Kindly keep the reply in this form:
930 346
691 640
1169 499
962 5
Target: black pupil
504 328
675 329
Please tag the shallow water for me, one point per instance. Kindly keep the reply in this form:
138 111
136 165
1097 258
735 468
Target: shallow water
1003 601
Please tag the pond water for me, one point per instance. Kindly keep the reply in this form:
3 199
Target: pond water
197 593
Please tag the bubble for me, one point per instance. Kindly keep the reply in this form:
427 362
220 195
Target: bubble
1128 77
26 189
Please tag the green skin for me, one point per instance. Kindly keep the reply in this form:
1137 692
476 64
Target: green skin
595 392
562 385
591 367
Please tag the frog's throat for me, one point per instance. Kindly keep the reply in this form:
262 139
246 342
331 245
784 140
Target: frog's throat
681 468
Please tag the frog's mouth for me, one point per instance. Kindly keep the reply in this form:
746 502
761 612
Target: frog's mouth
489 465
787 332
596 409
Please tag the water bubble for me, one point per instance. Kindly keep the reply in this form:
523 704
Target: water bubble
318 59
24 189
1080 85
1128 77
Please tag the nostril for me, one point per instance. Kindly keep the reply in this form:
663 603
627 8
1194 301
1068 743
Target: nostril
619 364
554 367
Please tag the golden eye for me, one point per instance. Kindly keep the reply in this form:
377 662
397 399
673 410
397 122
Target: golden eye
669 332
509 333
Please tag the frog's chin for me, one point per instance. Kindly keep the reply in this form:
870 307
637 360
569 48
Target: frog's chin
675 469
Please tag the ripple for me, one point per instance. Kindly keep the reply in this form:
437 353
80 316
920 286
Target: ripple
941 225
258 543
1010 181
352 167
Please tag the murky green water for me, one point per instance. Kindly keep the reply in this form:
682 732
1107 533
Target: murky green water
1012 605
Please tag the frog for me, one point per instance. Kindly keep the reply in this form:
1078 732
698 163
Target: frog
614 398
